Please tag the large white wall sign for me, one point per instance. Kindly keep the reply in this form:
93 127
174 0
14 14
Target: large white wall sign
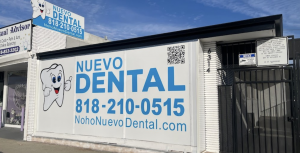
137 94
15 38
58 19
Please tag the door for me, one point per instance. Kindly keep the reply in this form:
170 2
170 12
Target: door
16 97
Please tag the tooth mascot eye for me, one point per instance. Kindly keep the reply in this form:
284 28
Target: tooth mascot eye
54 85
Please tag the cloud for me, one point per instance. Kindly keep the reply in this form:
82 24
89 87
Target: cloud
289 32
235 6
128 14
130 24
289 9
119 31
95 9
24 5
4 21
88 8
152 3
198 17
110 32
259 8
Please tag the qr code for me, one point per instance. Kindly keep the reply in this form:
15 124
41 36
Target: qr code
176 55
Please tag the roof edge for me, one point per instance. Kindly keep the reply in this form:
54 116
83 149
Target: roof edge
255 24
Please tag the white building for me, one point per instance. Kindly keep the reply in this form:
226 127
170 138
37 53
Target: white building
182 91
14 66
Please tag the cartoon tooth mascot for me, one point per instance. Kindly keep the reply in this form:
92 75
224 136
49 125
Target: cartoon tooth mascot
54 84
39 8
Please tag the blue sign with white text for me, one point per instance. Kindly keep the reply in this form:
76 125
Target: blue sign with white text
247 55
58 19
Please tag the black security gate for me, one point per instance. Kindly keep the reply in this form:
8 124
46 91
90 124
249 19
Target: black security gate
296 90
258 107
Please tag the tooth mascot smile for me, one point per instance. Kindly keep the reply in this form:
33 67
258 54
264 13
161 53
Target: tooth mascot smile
54 85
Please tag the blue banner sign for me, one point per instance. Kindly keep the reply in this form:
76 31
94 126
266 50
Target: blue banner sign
58 19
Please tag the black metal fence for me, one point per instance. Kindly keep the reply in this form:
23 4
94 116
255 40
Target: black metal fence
258 107
226 118
296 90
256 116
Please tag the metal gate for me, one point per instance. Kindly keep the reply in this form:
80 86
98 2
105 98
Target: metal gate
296 91
258 107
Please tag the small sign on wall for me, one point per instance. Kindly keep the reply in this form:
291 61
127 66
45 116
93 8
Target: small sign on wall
15 38
271 52
247 59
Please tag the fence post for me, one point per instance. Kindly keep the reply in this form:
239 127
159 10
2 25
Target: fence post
22 119
0 117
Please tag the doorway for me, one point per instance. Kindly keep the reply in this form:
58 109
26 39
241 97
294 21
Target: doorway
256 105
16 97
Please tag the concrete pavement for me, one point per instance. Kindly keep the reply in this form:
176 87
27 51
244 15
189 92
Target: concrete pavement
11 142
11 133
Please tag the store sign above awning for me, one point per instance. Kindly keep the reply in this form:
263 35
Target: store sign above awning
58 19
272 52
15 38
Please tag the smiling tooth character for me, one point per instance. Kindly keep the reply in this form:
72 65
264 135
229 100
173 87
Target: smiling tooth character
54 84
35 8
39 7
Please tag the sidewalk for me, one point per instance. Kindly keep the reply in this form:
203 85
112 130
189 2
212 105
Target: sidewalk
11 142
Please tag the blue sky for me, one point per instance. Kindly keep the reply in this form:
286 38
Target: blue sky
123 19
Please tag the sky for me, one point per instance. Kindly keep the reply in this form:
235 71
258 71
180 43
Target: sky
124 19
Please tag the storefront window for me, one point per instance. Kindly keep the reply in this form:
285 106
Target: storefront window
17 82
1 91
